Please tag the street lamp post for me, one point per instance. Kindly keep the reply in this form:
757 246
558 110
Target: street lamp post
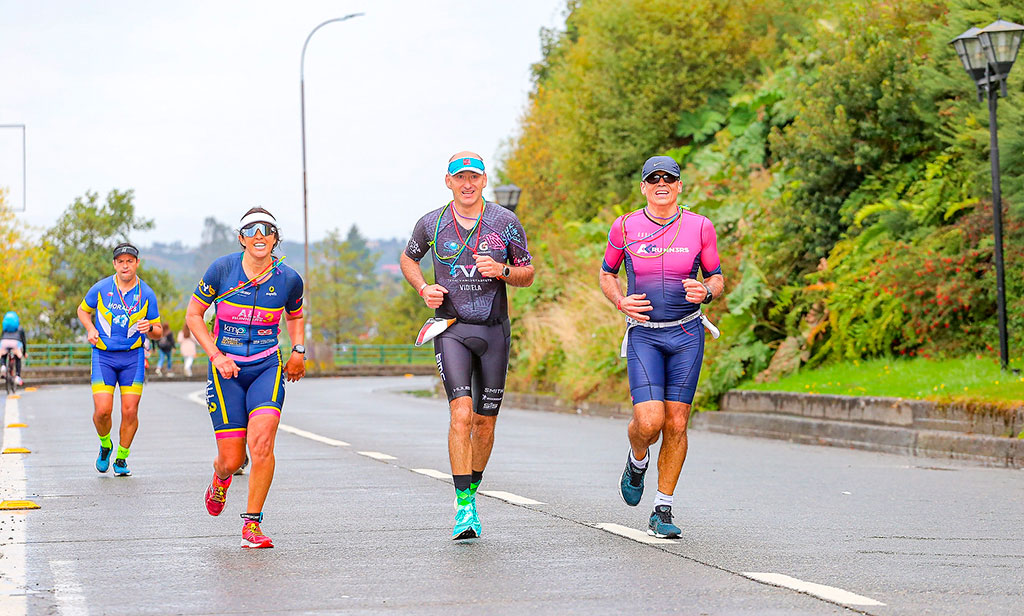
988 55
305 204
507 196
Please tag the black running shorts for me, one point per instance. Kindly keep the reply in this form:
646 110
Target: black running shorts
472 360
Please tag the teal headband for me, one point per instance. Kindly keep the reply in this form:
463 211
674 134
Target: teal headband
465 164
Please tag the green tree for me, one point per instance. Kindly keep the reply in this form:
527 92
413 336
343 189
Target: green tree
24 271
343 285
79 247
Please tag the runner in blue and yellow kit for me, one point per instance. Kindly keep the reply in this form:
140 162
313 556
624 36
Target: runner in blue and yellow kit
250 290
116 313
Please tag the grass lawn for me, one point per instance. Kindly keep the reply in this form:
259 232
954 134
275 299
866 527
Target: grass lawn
969 378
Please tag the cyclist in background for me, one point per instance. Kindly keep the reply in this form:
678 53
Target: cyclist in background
13 341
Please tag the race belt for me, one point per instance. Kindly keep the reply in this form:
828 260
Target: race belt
631 323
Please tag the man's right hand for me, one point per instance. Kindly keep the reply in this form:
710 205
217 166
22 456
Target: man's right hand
634 306
433 295
93 336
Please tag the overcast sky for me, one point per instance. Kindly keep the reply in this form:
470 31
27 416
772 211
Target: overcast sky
195 105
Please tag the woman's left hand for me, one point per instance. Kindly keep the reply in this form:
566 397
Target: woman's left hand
295 369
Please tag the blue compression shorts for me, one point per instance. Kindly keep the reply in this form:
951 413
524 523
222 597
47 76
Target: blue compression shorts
257 390
124 368
664 364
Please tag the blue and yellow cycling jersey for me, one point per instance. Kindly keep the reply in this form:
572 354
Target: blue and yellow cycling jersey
117 315
246 325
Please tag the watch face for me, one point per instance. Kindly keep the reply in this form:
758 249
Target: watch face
299 349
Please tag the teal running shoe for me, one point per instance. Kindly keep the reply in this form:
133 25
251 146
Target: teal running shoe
477 527
661 523
103 460
121 468
465 516
631 485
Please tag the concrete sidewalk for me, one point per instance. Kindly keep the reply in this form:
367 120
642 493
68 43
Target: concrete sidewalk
986 435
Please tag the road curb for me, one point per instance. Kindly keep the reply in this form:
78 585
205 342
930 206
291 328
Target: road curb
976 433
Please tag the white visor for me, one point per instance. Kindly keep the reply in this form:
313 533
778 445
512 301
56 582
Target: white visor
256 217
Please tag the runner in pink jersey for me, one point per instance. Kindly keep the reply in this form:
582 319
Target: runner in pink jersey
663 248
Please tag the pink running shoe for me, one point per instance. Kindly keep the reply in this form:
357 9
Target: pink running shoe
253 537
217 494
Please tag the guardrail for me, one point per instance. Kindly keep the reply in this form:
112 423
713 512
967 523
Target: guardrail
362 354
80 354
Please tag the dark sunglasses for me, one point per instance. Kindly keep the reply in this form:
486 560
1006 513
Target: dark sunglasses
654 178
264 228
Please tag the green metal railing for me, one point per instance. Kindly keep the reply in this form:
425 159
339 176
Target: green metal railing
79 354
361 354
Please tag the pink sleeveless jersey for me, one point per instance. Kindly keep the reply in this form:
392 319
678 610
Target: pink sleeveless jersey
658 260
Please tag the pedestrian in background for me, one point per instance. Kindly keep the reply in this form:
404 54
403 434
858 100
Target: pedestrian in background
187 345
165 345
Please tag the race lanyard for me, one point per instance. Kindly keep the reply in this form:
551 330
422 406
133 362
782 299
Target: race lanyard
251 281
657 234
465 244
138 295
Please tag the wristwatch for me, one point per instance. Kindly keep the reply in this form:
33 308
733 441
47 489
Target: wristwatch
298 348
707 300
506 271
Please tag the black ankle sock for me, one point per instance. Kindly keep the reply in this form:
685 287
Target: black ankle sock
476 476
253 517
462 481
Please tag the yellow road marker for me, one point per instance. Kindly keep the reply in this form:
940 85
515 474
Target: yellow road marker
31 389
13 396
17 425
408 376
16 450
11 505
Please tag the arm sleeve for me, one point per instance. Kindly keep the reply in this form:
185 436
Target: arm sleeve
208 286
293 305
419 243
515 241
91 298
24 343
710 264
613 252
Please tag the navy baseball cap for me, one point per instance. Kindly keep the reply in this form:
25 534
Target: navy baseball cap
124 248
660 163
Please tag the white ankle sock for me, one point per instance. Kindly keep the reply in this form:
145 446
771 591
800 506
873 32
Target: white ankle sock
640 464
662 499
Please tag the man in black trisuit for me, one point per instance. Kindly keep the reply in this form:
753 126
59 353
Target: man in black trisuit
478 248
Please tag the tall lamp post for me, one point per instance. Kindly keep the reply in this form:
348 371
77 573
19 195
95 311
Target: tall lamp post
305 203
988 55
507 196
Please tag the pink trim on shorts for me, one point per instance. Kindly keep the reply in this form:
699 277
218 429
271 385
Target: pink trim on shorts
252 358
231 433
265 410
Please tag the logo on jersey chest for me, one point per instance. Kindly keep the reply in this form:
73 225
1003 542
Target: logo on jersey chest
653 249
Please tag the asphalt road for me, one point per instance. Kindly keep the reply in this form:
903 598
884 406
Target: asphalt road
880 534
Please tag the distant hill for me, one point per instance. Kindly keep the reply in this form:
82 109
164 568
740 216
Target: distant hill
186 264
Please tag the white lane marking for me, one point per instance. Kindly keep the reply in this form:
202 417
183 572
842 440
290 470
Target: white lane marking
429 472
830 593
376 455
67 591
515 499
311 436
199 397
13 579
632 533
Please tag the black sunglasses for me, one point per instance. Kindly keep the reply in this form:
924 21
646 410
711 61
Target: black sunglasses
654 178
